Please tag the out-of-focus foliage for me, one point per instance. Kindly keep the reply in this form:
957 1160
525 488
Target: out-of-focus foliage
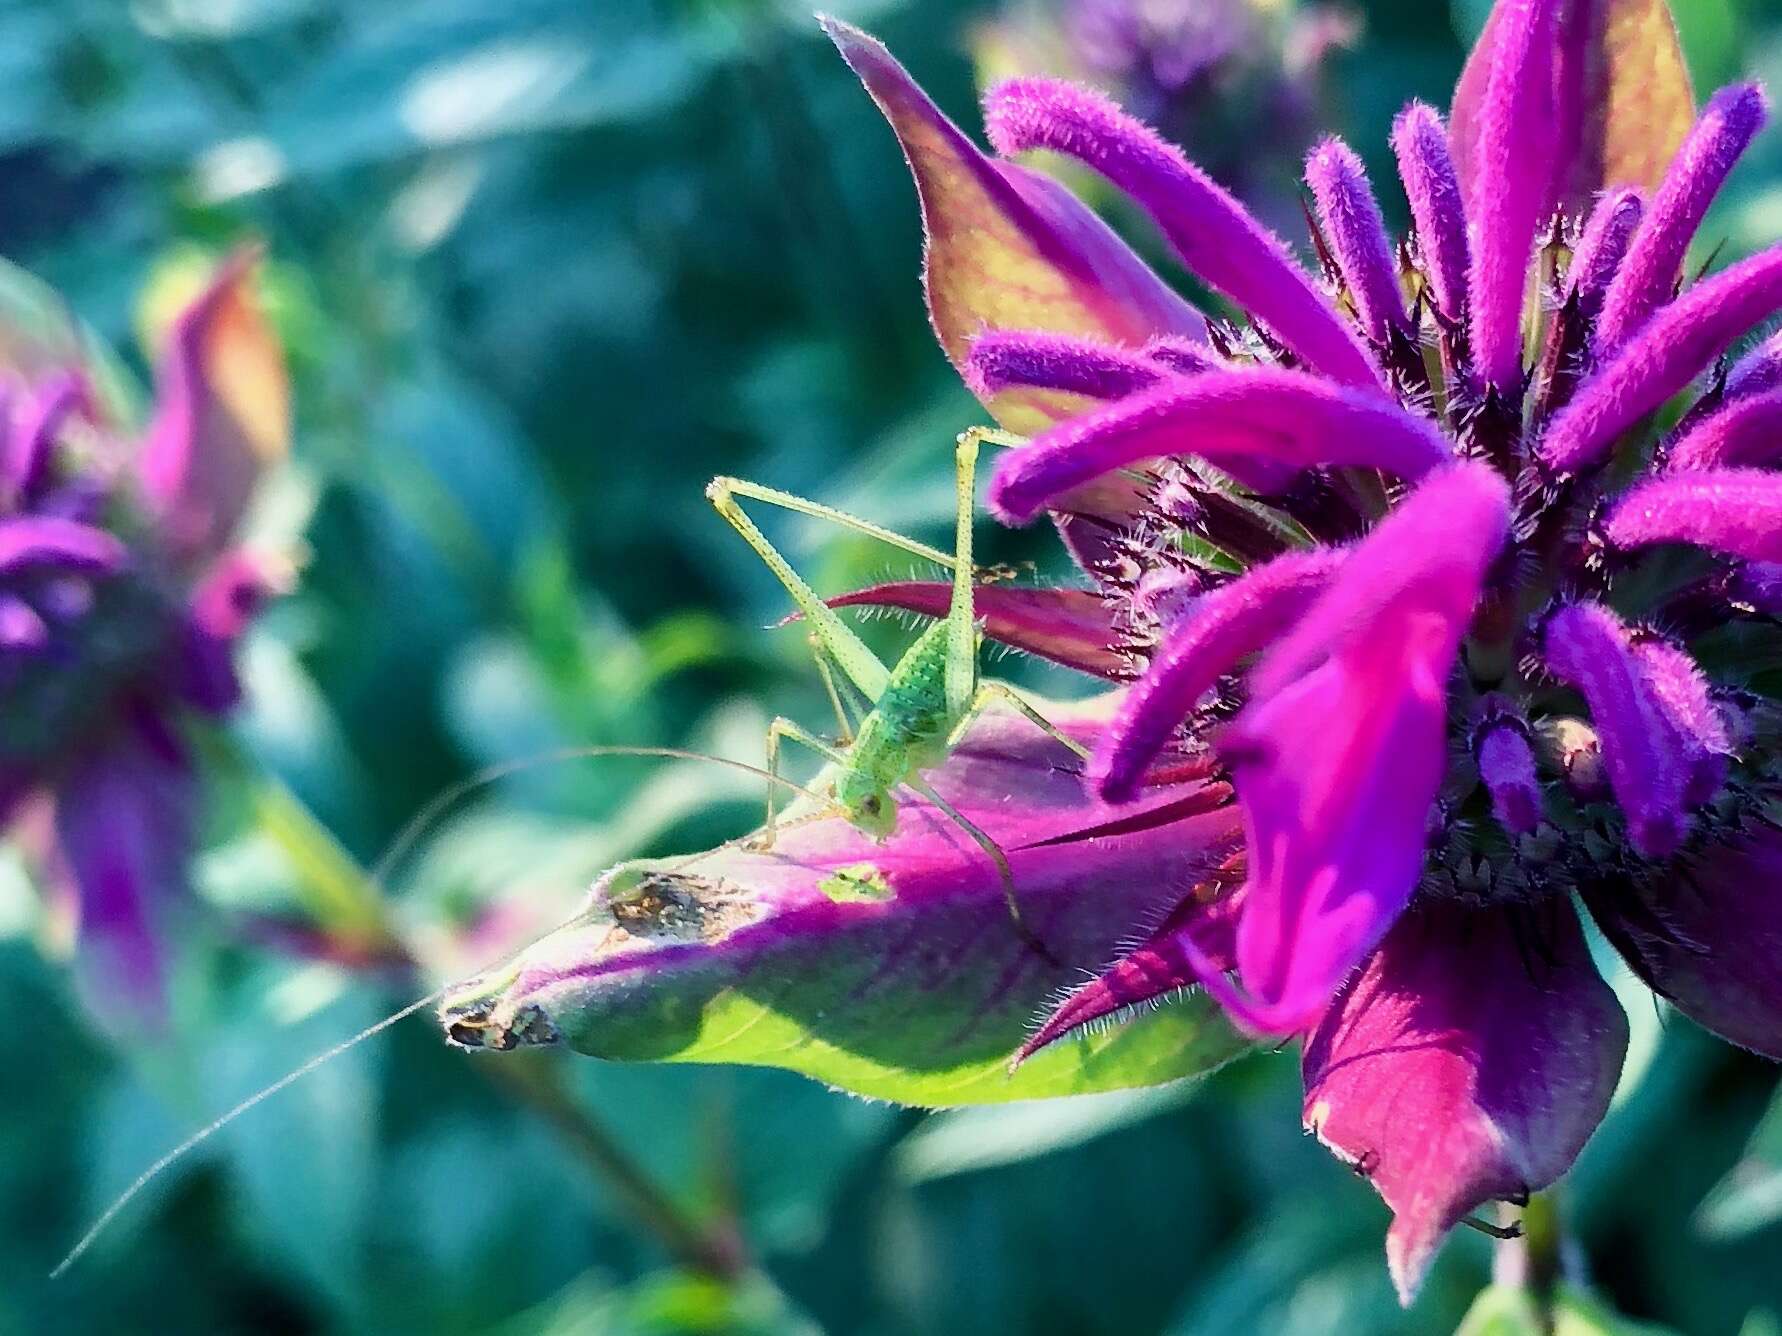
543 267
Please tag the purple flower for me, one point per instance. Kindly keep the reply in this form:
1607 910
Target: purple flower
121 600
1402 649
1390 565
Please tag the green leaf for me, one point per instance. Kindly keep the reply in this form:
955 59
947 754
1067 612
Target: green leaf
1750 1196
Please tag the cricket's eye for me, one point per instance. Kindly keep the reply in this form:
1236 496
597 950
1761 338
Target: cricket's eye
871 805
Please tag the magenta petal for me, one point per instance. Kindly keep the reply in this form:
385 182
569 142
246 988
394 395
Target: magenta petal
1073 627
1604 244
124 831
1216 238
51 543
1670 350
1735 511
228 598
31 433
1338 761
1748 430
1588 646
1681 691
1002 360
1357 235
1461 1067
1510 193
1207 642
1426 167
1238 417
1707 933
1647 277
1507 769
1154 969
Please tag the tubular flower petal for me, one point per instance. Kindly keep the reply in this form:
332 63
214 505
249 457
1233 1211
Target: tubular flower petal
1285 418
1509 196
1735 511
1020 359
1681 691
1671 349
1604 244
1210 230
1587 646
1222 628
1644 282
1747 431
1357 235
1426 166
1507 769
1338 761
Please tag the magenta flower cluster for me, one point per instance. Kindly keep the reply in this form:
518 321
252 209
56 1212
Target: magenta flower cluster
1414 558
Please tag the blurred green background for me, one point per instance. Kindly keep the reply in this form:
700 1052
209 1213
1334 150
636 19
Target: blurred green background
543 267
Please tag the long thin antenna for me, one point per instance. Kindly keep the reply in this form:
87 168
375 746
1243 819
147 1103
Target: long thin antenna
405 839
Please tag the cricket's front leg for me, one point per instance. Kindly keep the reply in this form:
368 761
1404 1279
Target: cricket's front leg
780 728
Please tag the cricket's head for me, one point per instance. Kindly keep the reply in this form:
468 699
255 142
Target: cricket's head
868 803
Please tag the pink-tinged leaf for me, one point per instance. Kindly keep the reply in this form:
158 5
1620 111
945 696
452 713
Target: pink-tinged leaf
1073 627
1623 97
1008 248
1151 971
891 969
1706 932
222 414
1462 1065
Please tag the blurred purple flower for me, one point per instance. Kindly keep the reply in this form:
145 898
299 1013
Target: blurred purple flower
1238 82
1446 575
121 600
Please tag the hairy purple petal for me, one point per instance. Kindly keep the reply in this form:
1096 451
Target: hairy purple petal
1030 359
1073 627
30 431
1681 692
1507 768
50 542
1648 276
1425 165
1357 235
1748 430
1604 244
1211 231
1758 371
1220 629
1154 969
1513 174
1339 757
1181 355
1670 350
1462 1067
1235 417
1735 511
1706 933
1586 645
